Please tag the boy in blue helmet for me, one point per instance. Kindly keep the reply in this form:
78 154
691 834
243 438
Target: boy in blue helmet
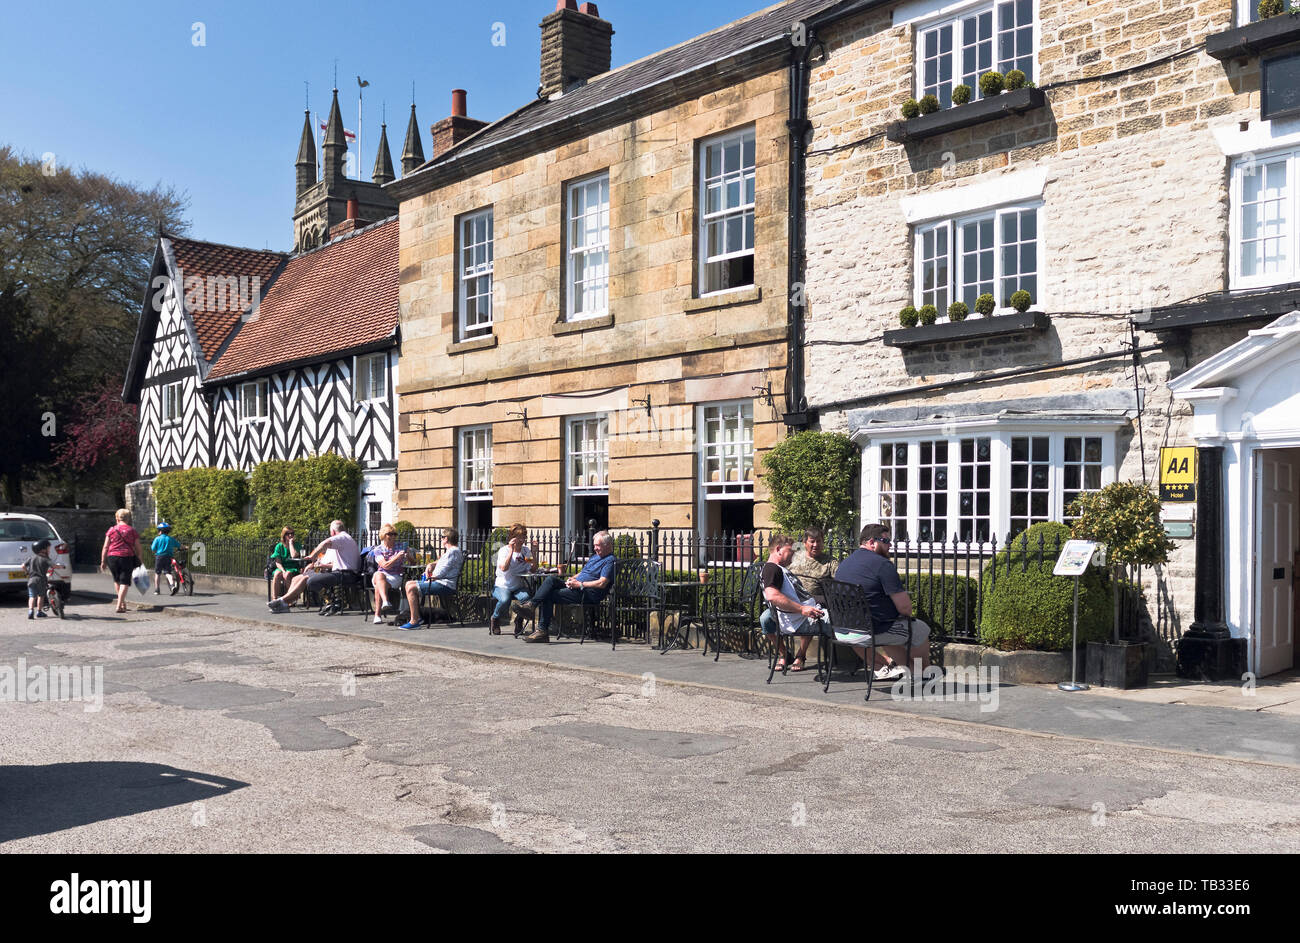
164 546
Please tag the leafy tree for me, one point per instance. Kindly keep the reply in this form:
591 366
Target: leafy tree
812 477
101 441
1125 516
75 247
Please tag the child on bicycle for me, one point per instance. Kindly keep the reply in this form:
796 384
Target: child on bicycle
38 567
164 547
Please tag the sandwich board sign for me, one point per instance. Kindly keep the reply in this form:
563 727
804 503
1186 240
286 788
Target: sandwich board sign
1178 473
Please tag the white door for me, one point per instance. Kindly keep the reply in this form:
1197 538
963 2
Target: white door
1275 632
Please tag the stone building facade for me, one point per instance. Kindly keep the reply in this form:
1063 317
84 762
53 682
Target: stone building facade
1120 191
593 293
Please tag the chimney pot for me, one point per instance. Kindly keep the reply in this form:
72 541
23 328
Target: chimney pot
354 208
590 9
458 109
565 5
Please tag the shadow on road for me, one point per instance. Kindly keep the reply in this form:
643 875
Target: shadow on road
37 800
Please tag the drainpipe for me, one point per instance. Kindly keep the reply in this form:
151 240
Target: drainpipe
798 125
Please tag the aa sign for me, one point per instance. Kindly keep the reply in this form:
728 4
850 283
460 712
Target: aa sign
1178 474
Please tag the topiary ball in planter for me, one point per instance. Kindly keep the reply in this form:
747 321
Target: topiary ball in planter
911 108
991 83
957 311
961 94
1016 79
1269 8
985 304
1021 301
928 105
1026 607
909 317
929 314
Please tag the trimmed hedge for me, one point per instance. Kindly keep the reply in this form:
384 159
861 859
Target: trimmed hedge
947 602
1026 607
306 492
201 501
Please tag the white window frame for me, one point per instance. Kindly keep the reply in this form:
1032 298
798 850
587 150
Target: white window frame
742 489
1255 164
1247 12
472 269
956 236
262 398
579 489
955 18
1000 434
747 178
365 364
473 448
172 410
577 291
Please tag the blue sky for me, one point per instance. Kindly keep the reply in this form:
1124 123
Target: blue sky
122 87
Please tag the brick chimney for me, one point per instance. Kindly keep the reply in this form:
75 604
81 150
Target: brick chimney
453 129
352 223
576 45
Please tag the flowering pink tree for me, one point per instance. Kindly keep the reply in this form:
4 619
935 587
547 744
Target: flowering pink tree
101 442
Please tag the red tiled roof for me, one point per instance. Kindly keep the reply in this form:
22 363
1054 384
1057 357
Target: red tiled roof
339 297
215 313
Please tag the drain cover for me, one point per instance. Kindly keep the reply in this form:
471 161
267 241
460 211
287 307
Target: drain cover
360 671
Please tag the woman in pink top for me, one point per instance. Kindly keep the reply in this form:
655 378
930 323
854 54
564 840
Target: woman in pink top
121 554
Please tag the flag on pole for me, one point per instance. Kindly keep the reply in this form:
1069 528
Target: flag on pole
349 135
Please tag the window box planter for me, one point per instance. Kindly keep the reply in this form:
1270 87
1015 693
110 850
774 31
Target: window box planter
970 329
1242 42
1225 308
964 116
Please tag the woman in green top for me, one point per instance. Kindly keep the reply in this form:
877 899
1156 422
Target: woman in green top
285 551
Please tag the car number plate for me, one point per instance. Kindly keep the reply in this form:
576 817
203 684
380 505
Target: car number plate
17 575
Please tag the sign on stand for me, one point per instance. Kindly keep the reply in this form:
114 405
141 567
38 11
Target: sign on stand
1073 561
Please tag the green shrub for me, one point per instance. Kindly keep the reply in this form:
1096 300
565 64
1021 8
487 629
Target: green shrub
908 317
201 501
928 104
961 94
929 314
405 530
1016 79
957 311
991 83
625 548
1125 516
985 304
1021 300
306 492
911 108
1026 607
1270 8
247 530
948 602
812 478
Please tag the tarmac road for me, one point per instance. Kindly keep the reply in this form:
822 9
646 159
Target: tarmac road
220 737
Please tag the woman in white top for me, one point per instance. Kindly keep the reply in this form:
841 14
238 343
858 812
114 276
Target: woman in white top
513 561
389 561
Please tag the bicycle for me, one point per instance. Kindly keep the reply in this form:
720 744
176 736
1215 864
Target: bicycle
181 573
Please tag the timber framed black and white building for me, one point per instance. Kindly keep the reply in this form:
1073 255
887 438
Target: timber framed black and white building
243 356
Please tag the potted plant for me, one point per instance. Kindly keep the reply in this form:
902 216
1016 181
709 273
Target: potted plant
1016 79
1125 517
961 94
908 317
911 108
992 83
1271 8
928 314
928 104
1021 300
985 304
957 311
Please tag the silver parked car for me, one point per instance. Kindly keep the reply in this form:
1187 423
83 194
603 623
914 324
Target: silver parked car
17 534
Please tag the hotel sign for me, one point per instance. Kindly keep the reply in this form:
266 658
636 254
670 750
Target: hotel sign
1178 474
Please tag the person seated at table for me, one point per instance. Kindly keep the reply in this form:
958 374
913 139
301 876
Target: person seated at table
389 561
589 587
891 607
811 565
342 557
439 580
284 558
513 561
794 614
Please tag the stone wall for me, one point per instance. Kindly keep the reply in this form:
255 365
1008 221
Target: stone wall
1134 214
660 341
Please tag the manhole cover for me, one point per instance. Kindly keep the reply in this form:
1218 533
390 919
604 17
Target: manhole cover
360 671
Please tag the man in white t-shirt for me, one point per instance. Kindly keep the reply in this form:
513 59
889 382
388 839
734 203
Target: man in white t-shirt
343 557
794 615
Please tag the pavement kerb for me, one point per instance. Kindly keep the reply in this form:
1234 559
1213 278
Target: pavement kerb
756 696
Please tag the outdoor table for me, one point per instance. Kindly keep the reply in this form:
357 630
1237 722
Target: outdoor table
691 592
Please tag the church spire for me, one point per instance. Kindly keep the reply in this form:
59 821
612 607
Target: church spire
335 145
383 160
412 150
306 163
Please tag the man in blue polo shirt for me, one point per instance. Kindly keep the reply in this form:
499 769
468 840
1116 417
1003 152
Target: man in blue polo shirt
870 568
589 587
